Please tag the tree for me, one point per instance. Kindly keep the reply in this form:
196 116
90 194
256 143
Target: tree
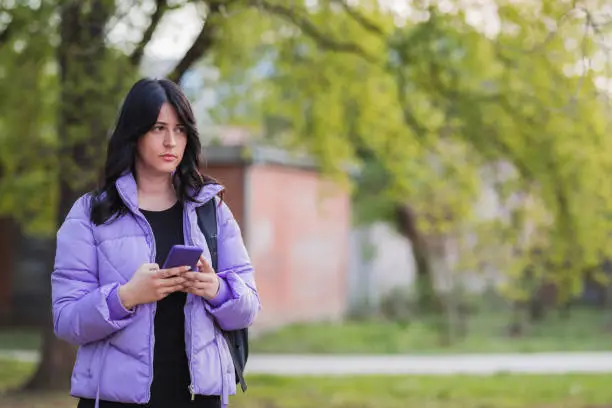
434 101
91 73
80 75
27 159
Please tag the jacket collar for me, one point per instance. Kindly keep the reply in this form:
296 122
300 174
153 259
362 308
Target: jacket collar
128 191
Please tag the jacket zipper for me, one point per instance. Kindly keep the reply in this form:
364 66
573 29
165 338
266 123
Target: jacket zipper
191 386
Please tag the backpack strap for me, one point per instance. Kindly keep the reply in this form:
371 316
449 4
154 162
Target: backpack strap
207 220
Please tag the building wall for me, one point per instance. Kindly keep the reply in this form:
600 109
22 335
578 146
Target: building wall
298 238
380 261
232 177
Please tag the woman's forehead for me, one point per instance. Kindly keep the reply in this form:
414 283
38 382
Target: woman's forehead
168 114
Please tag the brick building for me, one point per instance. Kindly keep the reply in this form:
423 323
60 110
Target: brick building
296 226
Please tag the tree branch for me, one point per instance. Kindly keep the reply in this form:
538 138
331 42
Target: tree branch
402 82
160 8
309 29
202 44
360 18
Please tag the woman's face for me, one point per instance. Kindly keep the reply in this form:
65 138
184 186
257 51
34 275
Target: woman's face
161 149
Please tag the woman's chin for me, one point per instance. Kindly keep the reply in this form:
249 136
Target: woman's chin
166 169
158 168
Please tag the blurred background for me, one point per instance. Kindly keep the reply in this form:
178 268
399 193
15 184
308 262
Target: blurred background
423 186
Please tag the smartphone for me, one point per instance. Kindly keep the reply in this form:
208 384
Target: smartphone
183 255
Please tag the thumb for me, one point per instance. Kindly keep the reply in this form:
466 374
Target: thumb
205 265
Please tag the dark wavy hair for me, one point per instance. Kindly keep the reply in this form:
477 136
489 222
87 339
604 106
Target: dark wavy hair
138 114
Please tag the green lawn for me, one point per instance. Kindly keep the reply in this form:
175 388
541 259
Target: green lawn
503 391
20 339
585 331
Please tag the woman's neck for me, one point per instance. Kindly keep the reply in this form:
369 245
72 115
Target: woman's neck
155 192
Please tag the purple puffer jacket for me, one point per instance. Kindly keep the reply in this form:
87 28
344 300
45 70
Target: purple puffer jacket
115 357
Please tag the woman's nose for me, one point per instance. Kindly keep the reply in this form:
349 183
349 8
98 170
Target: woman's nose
170 139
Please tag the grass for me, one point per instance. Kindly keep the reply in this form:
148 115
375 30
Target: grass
502 391
20 339
585 331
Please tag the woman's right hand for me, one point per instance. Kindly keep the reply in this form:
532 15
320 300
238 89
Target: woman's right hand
150 284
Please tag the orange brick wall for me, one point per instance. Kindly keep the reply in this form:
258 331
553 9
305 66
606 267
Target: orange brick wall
232 177
298 232
296 228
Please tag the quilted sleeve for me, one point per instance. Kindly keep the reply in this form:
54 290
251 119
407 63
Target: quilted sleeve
83 311
237 303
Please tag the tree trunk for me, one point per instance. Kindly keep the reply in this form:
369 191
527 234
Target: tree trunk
427 300
83 112
542 300
516 327
8 232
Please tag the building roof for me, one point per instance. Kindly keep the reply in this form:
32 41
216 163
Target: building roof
256 154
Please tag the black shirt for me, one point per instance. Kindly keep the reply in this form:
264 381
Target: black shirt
171 376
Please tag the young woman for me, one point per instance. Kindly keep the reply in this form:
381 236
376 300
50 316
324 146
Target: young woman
146 335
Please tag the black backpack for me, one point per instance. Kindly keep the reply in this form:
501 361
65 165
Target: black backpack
237 340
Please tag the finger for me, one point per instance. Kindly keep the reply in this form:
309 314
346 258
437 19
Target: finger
201 285
196 285
169 282
206 268
195 291
199 277
171 289
166 273
201 261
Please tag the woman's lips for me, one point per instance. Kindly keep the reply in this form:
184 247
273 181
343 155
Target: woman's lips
168 157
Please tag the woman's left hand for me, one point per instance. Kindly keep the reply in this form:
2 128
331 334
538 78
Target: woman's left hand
204 283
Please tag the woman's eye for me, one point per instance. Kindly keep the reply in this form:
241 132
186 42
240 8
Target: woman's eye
180 129
158 128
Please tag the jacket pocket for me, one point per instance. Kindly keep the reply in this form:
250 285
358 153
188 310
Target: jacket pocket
85 361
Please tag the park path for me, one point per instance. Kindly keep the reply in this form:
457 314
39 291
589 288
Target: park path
477 364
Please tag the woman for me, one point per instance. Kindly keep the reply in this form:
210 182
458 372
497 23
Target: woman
146 335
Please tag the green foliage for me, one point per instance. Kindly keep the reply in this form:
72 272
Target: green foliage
54 128
28 86
437 111
433 109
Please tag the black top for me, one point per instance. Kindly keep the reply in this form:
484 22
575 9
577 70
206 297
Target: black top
170 387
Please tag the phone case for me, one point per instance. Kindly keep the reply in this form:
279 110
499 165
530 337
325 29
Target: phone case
182 255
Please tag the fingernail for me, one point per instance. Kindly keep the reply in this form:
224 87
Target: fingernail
187 268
